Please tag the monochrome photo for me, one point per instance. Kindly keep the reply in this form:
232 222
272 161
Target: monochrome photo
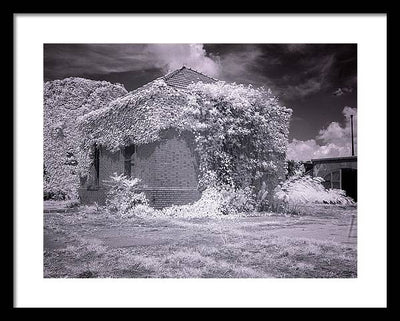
188 160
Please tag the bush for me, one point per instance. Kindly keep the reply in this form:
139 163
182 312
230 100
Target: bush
298 190
123 194
237 201
295 168
125 200
56 196
222 201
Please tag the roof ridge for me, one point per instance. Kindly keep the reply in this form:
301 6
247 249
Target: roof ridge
182 77
172 73
194 70
166 77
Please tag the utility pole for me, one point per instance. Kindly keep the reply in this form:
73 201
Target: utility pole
352 137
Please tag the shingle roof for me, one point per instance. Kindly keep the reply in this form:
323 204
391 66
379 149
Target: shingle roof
182 78
140 115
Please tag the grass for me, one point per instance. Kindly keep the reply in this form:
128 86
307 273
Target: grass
89 244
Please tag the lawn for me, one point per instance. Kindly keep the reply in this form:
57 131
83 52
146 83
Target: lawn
87 243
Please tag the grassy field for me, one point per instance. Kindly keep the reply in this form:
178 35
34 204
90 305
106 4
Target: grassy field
89 244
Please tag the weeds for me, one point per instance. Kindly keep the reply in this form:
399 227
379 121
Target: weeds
202 249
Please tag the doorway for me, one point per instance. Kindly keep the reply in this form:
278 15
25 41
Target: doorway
349 182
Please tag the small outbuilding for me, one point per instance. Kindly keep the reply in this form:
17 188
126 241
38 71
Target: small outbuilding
338 172
167 167
150 134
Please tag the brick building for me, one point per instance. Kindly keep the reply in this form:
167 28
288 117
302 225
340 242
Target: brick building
338 172
167 167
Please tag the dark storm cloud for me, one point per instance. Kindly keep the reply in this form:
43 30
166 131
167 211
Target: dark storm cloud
76 59
315 80
342 91
84 59
292 71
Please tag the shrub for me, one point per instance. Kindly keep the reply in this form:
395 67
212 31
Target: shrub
298 190
125 199
215 202
295 168
237 201
123 194
263 198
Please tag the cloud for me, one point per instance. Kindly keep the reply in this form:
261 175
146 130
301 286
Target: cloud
171 57
242 65
80 59
333 141
314 76
309 87
339 134
309 149
291 71
342 91
296 47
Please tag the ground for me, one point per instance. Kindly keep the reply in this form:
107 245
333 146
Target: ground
84 242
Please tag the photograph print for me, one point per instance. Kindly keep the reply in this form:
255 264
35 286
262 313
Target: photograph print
200 160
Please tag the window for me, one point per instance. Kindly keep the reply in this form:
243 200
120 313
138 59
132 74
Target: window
333 180
128 152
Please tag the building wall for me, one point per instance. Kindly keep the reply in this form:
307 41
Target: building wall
164 197
168 163
339 173
167 168
323 169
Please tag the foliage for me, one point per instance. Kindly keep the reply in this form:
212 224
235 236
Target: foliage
298 190
123 194
240 132
64 102
125 199
295 168
215 202
136 118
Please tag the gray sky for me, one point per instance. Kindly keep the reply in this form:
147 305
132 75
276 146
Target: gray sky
316 80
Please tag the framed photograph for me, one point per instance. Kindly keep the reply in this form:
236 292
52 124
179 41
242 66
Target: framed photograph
210 167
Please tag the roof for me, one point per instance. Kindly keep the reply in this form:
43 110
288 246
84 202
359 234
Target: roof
335 159
182 78
141 115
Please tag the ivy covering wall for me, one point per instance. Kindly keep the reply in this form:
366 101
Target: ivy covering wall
241 132
64 102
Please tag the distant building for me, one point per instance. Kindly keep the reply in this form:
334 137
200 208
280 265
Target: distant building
338 172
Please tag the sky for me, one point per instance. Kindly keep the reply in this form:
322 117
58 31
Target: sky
317 81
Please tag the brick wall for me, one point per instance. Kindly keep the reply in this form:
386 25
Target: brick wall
160 198
168 163
167 168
